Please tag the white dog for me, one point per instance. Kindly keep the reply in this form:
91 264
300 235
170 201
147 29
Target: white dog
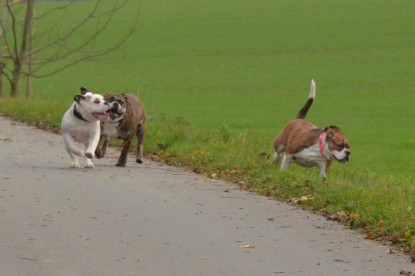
81 123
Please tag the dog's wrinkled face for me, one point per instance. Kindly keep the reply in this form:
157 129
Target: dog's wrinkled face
92 106
117 107
338 144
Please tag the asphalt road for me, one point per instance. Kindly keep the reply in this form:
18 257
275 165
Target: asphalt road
153 219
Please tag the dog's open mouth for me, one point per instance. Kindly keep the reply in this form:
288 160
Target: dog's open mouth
114 114
101 116
344 160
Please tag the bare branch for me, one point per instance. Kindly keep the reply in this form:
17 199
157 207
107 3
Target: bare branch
89 56
65 7
69 52
70 32
63 52
52 26
18 37
5 34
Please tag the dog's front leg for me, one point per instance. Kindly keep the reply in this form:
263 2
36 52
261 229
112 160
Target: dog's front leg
324 167
91 146
323 173
88 157
102 147
286 160
94 135
88 163
124 152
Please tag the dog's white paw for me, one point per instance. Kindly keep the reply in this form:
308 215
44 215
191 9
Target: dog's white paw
89 164
75 165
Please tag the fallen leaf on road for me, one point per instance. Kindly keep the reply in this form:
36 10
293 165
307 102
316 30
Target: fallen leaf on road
301 199
407 234
338 216
5 139
247 246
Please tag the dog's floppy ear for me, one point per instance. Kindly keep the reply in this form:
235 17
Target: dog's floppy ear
334 127
329 132
78 98
85 90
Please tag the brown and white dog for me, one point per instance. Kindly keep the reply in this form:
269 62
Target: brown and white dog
308 146
126 119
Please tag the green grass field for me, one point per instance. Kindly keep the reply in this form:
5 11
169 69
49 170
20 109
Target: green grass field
220 78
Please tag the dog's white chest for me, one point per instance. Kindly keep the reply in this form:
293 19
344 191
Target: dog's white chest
79 130
80 136
110 130
308 157
83 134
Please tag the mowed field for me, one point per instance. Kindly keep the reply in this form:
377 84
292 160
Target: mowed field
248 65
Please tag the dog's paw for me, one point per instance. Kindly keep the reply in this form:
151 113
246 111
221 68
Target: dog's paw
120 164
139 161
89 164
75 165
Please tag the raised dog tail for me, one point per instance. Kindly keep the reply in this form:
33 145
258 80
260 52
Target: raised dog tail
303 111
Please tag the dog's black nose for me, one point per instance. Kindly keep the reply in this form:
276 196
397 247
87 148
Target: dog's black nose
348 152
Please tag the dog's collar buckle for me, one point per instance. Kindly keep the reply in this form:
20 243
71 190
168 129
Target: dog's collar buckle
320 142
78 115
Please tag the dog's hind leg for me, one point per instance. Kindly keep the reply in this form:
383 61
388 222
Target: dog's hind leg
74 161
140 143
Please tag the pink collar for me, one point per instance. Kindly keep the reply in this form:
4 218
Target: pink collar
320 142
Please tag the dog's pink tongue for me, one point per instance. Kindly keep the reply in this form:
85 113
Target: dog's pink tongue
102 117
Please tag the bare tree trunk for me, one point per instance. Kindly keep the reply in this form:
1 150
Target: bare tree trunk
2 64
1 75
21 56
14 82
29 63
